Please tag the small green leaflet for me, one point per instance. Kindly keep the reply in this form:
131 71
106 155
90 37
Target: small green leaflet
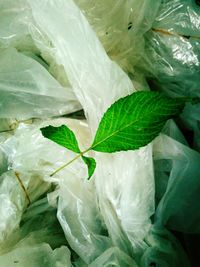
63 136
91 163
130 123
134 121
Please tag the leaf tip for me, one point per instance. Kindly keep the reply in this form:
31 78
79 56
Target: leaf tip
91 164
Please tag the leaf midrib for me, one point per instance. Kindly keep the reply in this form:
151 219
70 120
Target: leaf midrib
103 140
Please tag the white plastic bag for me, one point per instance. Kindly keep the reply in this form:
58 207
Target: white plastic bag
38 242
124 178
27 90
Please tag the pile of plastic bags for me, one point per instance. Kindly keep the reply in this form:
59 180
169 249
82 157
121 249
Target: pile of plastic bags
57 57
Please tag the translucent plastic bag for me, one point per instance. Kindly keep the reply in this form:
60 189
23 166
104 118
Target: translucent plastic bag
164 250
36 255
172 56
100 83
178 208
107 220
172 47
14 30
46 154
14 199
3 157
79 217
113 257
29 91
176 62
120 26
31 172
47 230
39 241
85 234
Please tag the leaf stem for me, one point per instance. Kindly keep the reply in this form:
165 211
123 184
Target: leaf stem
23 187
69 162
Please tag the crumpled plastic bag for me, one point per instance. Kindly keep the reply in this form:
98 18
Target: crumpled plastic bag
48 230
17 31
191 119
36 255
172 56
3 157
164 250
38 242
120 26
79 216
177 61
171 129
14 199
107 220
20 157
162 167
172 47
178 208
126 202
182 15
28 91
113 257
14 30
76 196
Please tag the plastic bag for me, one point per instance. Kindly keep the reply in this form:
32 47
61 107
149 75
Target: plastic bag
172 56
20 157
18 31
14 30
172 47
162 167
178 208
120 27
113 257
177 61
39 241
99 84
28 90
171 129
36 255
3 157
108 220
47 230
15 198
79 217
85 234
25 170
164 250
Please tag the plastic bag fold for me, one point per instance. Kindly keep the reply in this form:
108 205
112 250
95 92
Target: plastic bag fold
178 208
28 91
115 257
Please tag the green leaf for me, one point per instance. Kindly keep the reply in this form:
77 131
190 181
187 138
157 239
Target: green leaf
63 136
134 121
91 163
